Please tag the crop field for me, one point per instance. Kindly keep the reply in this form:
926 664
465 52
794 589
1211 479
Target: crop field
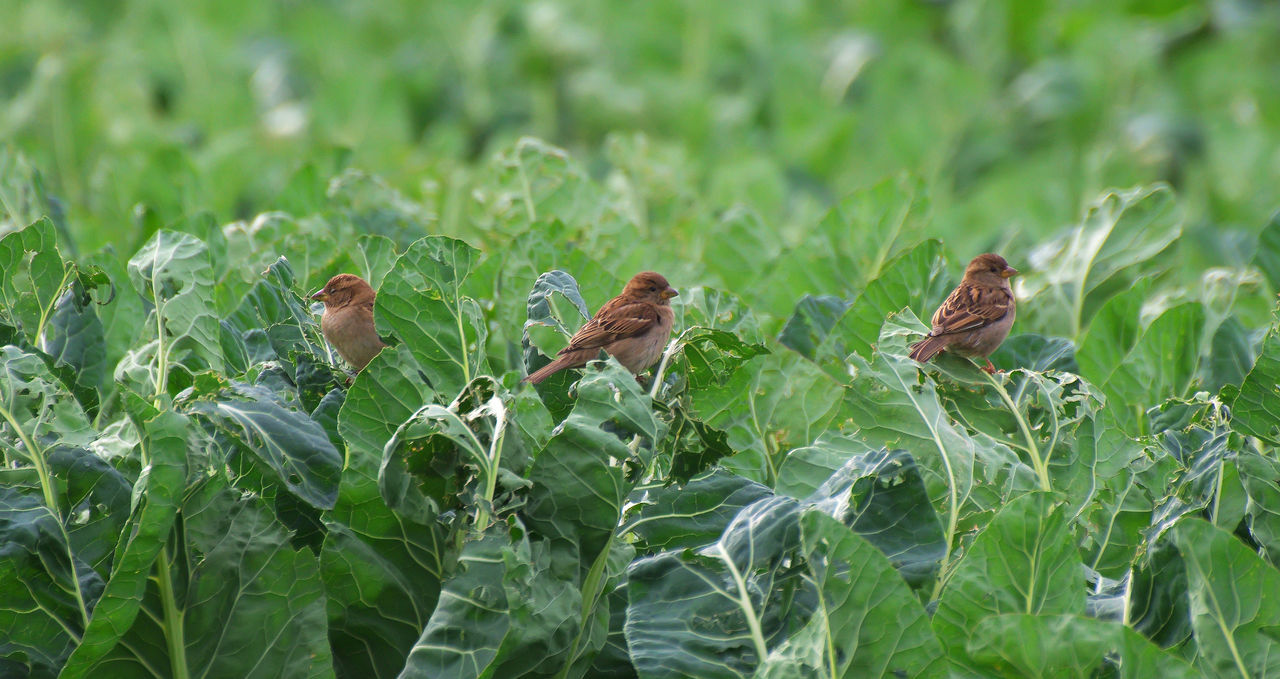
195 485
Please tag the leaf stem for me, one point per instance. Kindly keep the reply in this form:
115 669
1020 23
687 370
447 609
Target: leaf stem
592 588
46 310
173 618
1041 465
662 365
36 455
172 626
495 457
744 600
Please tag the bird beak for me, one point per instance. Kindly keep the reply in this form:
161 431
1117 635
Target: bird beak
669 293
320 295
1009 272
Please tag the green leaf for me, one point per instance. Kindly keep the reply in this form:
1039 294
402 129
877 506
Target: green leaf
895 405
702 613
811 323
74 338
1158 604
1018 645
375 257
1113 332
707 357
46 593
580 479
705 307
693 513
1232 354
421 301
543 311
121 313
1118 240
1260 476
914 279
466 630
854 242
1267 255
255 606
172 272
294 446
32 278
788 402
691 446
881 496
1255 411
1162 363
861 598
36 412
376 607
1037 352
1234 625
159 491
1023 562
375 560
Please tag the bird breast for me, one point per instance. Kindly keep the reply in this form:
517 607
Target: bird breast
351 332
641 351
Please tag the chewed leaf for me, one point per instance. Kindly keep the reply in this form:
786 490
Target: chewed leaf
295 447
173 272
542 309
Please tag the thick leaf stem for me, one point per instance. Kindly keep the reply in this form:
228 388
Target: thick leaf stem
47 310
495 458
1041 465
162 368
592 588
744 600
662 365
173 619
37 460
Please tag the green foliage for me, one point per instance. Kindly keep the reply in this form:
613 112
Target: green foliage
193 486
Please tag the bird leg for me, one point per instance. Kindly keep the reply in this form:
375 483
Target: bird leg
990 368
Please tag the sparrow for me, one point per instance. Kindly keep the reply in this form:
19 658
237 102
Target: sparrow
348 319
632 327
977 315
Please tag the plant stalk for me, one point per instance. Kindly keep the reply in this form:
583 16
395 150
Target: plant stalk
37 460
1041 465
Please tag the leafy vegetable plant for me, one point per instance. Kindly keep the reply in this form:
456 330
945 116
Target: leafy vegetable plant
193 487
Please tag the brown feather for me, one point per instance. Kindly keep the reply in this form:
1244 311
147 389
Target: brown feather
976 316
347 323
632 327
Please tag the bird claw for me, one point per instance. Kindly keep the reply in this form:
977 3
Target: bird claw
990 368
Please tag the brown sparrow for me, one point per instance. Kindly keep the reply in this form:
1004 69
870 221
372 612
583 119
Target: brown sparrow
977 315
632 327
348 319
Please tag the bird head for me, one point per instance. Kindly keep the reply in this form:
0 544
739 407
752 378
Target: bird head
989 269
344 289
650 287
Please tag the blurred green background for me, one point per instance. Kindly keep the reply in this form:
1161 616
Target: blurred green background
1014 114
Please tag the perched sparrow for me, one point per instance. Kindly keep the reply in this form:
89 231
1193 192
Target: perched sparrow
977 315
348 319
632 327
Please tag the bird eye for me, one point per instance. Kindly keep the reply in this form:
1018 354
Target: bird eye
653 288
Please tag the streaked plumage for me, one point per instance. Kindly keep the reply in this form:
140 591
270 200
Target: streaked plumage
632 327
976 316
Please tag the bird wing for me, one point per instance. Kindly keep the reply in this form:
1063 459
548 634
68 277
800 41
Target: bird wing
618 319
970 307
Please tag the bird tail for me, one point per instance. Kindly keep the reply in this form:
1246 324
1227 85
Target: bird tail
548 370
927 348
